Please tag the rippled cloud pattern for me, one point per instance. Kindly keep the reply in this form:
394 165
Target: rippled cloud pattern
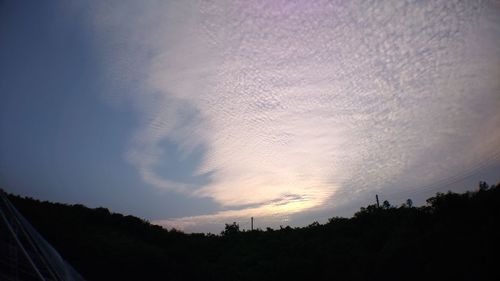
297 105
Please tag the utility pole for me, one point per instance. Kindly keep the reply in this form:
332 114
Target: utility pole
378 204
251 227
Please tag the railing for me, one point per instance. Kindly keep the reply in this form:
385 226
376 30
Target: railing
24 253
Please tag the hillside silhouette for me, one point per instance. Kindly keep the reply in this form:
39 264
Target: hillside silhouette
453 237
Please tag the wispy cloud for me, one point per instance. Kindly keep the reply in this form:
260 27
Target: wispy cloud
293 101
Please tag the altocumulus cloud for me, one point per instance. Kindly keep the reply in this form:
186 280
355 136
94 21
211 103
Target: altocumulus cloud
301 105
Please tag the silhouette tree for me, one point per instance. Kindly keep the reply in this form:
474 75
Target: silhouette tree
231 229
386 205
483 186
453 237
409 203
314 224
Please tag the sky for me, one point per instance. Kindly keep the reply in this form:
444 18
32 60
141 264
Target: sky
192 114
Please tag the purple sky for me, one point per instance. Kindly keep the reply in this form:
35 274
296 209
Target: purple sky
196 113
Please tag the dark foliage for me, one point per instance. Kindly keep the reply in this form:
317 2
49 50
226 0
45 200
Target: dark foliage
453 237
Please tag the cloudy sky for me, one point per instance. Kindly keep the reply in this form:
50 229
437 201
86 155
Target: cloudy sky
195 113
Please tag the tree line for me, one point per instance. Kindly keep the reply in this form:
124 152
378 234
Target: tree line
454 236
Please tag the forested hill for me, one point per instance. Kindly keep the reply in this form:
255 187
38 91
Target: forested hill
453 237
